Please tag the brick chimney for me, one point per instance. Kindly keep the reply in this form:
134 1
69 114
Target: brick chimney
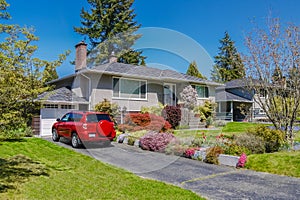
113 58
81 53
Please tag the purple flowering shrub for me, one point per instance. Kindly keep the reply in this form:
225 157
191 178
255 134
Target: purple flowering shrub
154 141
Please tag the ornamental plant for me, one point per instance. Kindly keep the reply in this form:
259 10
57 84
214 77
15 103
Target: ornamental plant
189 153
213 154
189 97
172 114
144 121
242 161
154 141
273 139
106 106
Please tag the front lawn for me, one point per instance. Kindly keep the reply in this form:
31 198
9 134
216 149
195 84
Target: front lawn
237 127
36 169
282 163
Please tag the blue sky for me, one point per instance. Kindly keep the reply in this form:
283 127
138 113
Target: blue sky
175 31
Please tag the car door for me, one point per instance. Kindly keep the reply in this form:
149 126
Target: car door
63 127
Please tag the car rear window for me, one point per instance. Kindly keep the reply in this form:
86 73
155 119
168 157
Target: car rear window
97 117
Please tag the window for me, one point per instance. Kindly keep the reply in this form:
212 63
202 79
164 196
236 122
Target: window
71 117
67 106
97 117
202 91
52 106
129 88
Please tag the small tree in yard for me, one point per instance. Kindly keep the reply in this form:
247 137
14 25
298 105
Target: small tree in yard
273 59
189 96
106 106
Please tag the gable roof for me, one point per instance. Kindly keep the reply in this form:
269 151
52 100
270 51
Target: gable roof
62 95
223 96
133 71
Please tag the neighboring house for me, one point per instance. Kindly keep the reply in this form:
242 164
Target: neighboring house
131 87
236 103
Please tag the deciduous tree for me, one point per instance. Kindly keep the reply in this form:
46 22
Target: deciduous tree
21 77
272 49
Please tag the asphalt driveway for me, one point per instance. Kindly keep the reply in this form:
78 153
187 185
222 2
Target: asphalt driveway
210 181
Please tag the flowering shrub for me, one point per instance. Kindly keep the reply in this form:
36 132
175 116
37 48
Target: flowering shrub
154 141
189 152
242 161
138 121
189 97
172 114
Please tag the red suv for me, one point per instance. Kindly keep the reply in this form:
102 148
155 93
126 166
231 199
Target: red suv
81 127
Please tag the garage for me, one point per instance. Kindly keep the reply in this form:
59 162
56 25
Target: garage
54 105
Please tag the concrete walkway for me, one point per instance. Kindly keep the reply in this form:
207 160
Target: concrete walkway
210 181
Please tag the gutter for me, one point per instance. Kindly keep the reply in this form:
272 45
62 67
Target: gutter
89 89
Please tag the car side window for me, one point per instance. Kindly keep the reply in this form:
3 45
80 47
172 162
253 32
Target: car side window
77 117
91 118
65 117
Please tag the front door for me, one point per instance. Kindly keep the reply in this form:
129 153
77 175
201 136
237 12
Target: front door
170 94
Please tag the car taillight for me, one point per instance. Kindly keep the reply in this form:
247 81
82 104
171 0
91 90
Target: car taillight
84 126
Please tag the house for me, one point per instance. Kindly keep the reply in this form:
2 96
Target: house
131 87
236 103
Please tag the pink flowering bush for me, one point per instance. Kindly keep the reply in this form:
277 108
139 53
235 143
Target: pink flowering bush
154 141
189 153
242 161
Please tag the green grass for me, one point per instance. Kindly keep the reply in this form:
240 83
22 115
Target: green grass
230 129
282 163
36 169
237 127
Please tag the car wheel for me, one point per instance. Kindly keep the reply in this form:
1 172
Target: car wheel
55 136
75 141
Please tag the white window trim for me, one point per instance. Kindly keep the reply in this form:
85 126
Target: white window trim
128 98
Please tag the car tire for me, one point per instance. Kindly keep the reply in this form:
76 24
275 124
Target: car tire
55 136
75 141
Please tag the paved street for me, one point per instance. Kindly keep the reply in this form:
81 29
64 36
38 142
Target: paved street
210 181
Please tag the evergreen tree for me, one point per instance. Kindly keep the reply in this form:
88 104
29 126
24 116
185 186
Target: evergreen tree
110 27
193 70
228 63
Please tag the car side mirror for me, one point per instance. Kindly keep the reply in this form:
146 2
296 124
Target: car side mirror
57 119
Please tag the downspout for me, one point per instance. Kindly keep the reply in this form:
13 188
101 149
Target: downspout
89 89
